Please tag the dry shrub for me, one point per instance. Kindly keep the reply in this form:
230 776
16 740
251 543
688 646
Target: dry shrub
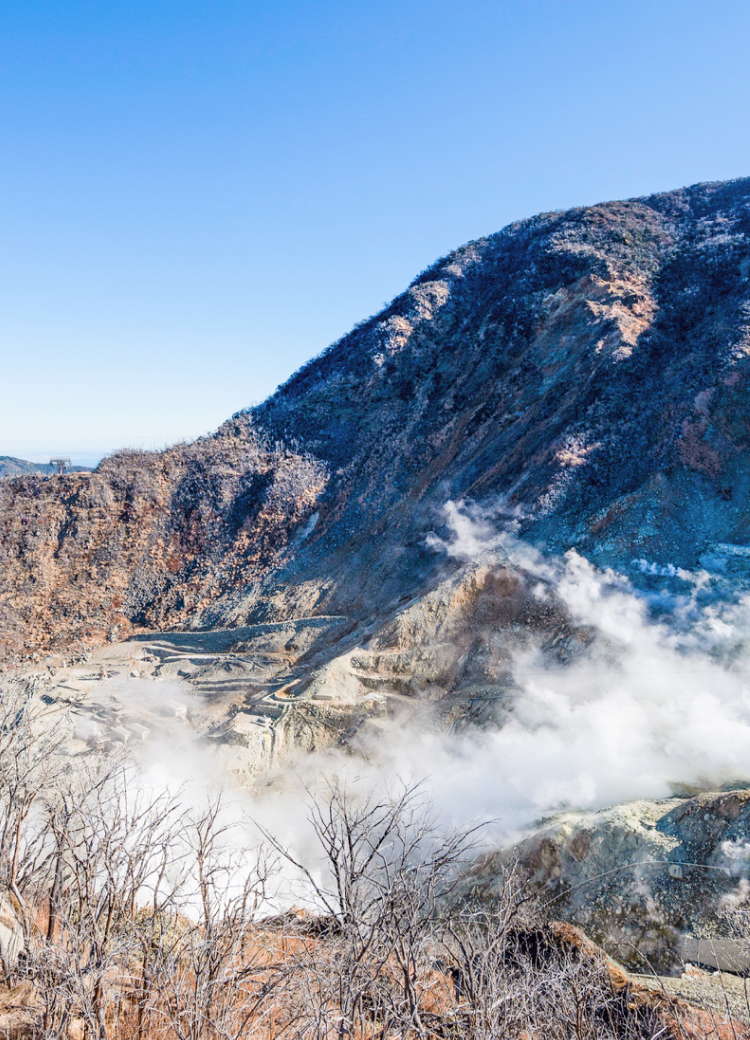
143 919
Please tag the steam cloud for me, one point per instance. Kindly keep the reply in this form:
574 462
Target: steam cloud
658 703
655 705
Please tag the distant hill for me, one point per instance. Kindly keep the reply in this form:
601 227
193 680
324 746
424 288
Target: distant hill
10 467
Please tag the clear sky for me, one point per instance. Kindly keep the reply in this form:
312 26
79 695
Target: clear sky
197 196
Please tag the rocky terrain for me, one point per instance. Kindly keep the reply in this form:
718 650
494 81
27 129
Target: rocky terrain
390 529
146 538
585 369
660 883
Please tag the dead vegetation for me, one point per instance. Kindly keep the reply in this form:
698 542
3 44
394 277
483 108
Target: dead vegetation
129 912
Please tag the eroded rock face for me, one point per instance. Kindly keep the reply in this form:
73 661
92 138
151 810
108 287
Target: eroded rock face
148 538
588 368
640 877
454 647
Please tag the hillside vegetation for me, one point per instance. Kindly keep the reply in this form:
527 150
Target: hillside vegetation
11 467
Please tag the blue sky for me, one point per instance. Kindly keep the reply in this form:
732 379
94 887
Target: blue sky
197 197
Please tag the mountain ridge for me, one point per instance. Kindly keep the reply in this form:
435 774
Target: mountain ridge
584 370
13 467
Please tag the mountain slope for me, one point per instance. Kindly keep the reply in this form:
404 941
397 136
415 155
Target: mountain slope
11 467
589 366
587 370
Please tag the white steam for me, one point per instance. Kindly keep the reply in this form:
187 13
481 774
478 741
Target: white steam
650 707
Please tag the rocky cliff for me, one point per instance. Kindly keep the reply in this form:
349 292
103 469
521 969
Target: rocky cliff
587 371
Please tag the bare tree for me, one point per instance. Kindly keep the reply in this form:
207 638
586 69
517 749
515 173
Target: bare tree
144 920
385 865
213 976
515 974
29 769
111 839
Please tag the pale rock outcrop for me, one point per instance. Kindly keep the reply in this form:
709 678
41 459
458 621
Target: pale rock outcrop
647 879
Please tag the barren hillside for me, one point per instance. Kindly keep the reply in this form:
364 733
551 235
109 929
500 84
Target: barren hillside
587 369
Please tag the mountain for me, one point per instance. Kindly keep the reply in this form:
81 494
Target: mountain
584 372
11 467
